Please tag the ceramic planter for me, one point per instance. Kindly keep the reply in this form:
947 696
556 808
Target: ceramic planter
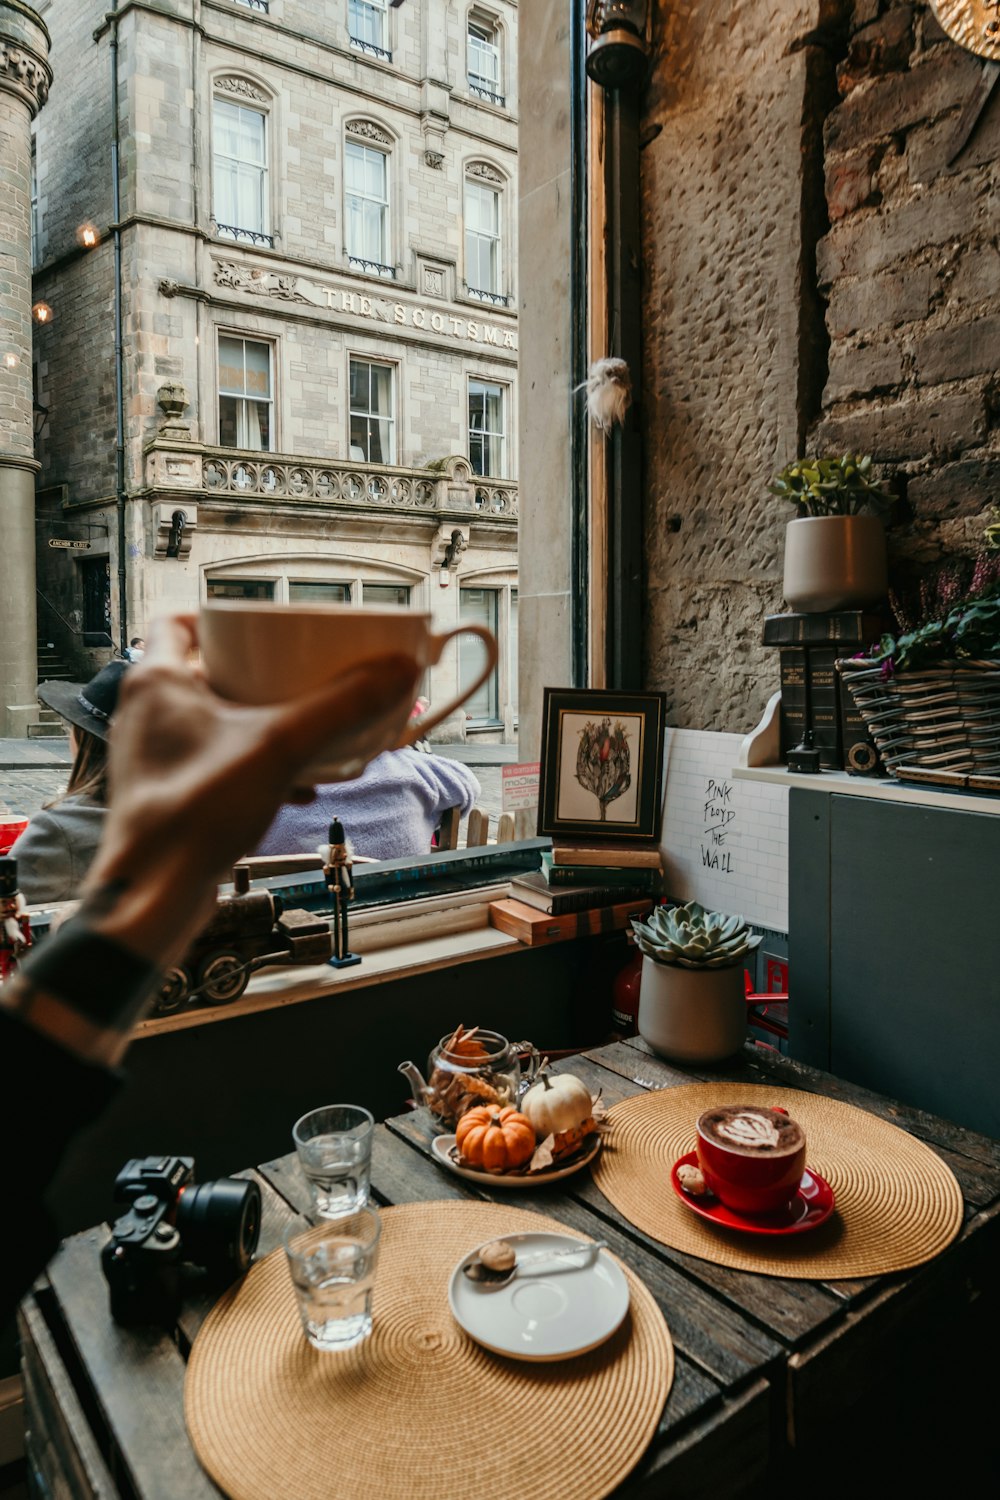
692 1015
834 562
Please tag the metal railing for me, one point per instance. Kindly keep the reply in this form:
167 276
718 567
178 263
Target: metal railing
261 5
243 236
482 92
372 267
496 299
371 49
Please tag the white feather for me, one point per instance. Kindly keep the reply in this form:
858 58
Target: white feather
609 392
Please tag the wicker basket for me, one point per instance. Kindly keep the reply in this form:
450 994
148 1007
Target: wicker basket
944 719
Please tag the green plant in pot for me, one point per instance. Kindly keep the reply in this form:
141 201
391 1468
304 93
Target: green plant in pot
691 996
835 547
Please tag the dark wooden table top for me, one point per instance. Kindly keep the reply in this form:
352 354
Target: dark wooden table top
774 1378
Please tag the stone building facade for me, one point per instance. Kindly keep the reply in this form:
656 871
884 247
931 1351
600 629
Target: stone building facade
317 231
25 77
821 273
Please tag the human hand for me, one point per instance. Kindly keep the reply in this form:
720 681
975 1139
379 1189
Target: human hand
194 781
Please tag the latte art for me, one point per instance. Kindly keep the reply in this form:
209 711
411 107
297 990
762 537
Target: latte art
751 1130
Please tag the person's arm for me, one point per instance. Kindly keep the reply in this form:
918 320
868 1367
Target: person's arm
450 782
194 782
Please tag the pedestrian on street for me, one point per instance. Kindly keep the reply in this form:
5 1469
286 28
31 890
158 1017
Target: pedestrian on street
135 650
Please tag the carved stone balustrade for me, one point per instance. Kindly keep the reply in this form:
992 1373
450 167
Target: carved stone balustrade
449 487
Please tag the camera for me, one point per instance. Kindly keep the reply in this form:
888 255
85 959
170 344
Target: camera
171 1221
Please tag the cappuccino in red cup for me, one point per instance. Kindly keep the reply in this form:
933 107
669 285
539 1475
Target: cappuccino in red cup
752 1157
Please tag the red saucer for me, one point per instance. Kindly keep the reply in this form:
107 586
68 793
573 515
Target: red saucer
811 1206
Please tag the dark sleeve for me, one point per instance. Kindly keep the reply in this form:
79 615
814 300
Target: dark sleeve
47 1096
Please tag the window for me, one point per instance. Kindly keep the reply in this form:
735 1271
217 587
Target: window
373 425
487 435
482 242
483 61
478 607
245 398
35 238
386 593
318 593
366 208
512 650
239 173
240 588
368 27
261 5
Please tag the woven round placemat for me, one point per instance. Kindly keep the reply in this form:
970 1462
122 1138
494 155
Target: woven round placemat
897 1204
418 1409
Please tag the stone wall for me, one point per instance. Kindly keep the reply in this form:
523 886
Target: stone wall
816 275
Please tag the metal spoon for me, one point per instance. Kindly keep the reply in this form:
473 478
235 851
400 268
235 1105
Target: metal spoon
491 1279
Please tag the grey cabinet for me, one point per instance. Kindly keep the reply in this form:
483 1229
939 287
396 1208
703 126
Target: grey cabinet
894 950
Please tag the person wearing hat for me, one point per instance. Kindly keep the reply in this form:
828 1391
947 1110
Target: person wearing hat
56 849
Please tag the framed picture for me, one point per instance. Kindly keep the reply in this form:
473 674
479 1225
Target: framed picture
602 765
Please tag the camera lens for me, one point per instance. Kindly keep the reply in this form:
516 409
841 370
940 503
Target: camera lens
219 1223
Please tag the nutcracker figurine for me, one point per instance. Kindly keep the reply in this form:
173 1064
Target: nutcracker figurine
15 928
340 884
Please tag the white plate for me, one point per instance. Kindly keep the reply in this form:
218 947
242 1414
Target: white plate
542 1314
441 1146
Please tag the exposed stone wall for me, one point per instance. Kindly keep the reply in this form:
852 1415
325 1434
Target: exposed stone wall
830 293
911 270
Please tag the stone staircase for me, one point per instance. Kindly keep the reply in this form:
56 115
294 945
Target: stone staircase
51 667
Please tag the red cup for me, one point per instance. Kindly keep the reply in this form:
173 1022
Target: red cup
10 831
750 1183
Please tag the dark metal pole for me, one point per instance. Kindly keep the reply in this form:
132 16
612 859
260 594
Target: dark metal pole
579 435
120 495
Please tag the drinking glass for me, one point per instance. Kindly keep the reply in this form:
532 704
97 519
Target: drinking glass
333 1272
334 1146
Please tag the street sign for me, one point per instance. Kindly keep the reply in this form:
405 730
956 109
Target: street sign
520 786
56 541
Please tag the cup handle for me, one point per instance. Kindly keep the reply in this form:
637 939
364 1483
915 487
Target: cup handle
417 728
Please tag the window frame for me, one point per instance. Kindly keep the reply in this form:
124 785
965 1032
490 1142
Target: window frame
272 400
241 233
492 38
373 361
504 435
492 720
381 51
493 294
354 141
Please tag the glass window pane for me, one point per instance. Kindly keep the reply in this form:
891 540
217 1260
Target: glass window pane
385 593
318 593
381 390
513 648
227 421
354 164
231 365
240 588
226 127
477 607
258 368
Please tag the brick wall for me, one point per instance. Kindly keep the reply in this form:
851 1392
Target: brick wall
816 273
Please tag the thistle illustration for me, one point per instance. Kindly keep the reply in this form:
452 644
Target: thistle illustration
604 762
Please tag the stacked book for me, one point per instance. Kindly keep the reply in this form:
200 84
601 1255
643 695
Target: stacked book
580 890
813 693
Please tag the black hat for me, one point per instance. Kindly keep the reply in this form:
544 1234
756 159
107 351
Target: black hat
88 705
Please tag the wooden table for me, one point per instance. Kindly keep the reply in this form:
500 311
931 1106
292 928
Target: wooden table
776 1379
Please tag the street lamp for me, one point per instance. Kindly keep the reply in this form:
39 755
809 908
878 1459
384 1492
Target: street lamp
39 417
42 312
618 55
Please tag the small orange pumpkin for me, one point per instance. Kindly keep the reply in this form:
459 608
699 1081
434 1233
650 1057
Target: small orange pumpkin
496 1140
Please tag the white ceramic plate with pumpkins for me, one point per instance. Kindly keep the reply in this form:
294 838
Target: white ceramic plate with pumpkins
552 1134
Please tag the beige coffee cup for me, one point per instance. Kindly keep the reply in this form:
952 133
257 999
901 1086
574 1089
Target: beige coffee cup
271 653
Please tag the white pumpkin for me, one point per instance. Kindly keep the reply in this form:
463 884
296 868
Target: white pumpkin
557 1105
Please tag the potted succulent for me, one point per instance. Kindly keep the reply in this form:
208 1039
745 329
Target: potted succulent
835 548
691 996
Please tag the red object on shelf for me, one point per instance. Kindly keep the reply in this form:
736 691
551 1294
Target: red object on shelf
625 996
766 1012
10 831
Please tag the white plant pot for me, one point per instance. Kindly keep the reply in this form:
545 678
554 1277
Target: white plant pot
834 562
692 1015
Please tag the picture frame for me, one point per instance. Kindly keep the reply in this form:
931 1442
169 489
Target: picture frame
602 766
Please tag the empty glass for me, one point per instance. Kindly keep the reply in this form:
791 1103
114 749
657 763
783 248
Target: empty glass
333 1271
334 1146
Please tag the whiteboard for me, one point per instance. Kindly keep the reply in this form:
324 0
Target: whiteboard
725 842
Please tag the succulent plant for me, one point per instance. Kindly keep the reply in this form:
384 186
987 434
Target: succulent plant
832 486
693 938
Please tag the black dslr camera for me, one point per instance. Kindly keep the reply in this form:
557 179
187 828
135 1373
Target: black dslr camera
169 1221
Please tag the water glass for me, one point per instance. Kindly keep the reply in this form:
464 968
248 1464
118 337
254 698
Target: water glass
333 1272
334 1146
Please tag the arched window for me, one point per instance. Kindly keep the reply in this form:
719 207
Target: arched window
241 192
484 259
367 219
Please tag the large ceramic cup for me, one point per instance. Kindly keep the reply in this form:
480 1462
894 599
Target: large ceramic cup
271 653
750 1181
